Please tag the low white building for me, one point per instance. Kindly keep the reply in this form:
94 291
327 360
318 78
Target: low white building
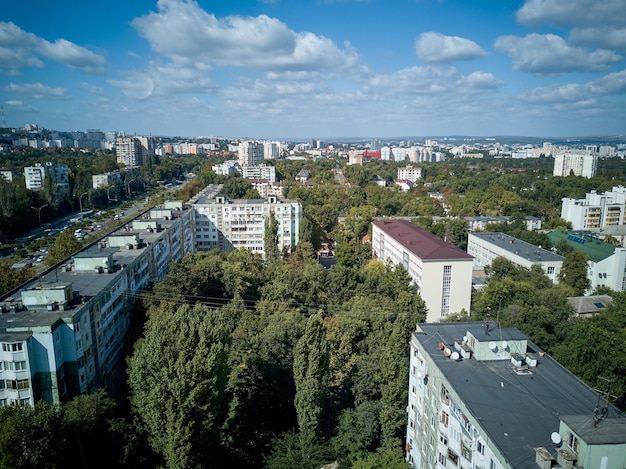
486 246
35 176
410 173
441 272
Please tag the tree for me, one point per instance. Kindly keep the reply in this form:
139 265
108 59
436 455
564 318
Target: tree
178 377
270 239
574 272
311 373
12 278
297 450
64 246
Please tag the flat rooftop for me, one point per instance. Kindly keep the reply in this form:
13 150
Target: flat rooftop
518 247
595 249
517 412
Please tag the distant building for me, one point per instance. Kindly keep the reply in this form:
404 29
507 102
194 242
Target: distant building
481 396
227 224
607 263
227 168
441 272
8 174
578 164
106 179
410 173
134 151
250 153
596 211
480 223
271 150
36 175
260 171
487 246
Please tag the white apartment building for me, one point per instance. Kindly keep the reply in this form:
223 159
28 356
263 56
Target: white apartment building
226 168
260 171
63 333
232 224
409 173
485 247
8 174
486 397
441 272
596 211
271 150
106 179
35 176
607 263
579 164
250 153
133 151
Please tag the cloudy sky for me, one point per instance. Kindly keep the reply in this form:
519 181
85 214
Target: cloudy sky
316 68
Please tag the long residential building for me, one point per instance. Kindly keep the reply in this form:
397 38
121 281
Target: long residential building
596 211
578 164
485 397
63 334
607 263
134 151
441 272
36 175
226 224
487 246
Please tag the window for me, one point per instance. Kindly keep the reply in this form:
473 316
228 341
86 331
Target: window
445 396
466 452
16 347
77 327
572 442
492 464
480 448
23 384
442 459
452 456
551 270
443 439
444 418
20 366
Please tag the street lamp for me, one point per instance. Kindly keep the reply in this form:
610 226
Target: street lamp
109 193
80 201
39 212
128 185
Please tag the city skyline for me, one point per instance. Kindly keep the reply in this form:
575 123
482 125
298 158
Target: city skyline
327 68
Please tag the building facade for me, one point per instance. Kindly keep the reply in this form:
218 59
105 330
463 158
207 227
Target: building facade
36 175
596 211
487 246
134 151
63 334
578 164
486 397
441 272
106 179
607 263
227 224
250 153
410 173
260 171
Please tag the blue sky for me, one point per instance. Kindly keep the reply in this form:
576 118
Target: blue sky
316 68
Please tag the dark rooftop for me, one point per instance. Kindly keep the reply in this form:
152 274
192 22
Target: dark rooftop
518 412
420 242
518 247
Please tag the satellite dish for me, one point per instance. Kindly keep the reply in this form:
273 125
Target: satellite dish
504 344
492 346
556 438
454 356
464 339
447 352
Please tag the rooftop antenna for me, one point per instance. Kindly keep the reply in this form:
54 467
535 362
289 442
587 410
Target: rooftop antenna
600 412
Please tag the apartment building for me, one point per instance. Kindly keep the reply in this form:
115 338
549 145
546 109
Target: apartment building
578 164
134 151
607 262
63 334
232 224
250 153
485 247
9 174
441 272
260 171
486 397
409 173
106 179
596 211
35 176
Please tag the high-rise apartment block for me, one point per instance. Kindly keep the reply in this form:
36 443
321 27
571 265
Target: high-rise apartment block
250 153
134 151
409 173
578 164
486 397
441 272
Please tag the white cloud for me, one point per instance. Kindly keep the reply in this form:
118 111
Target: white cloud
185 33
433 80
73 56
603 37
573 13
550 54
91 88
14 102
435 47
161 80
610 85
36 90
20 49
